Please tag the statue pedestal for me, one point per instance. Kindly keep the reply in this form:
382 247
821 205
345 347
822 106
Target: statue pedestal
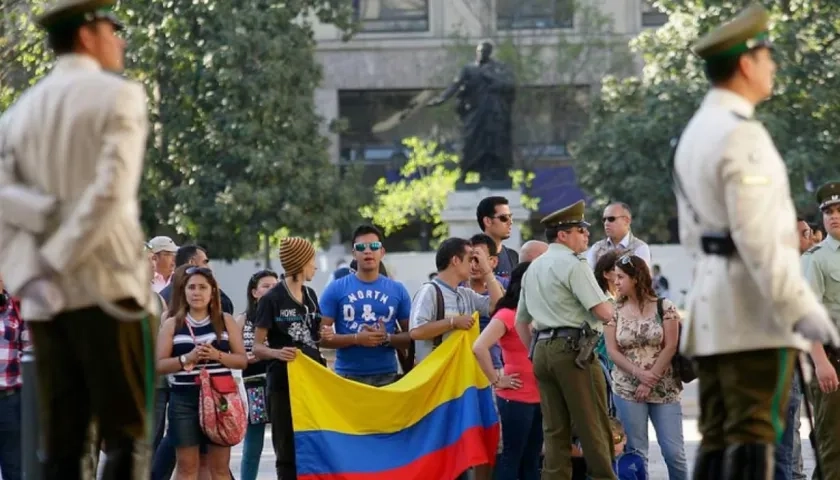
459 213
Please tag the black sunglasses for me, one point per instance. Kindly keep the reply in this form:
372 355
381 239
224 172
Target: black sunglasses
612 218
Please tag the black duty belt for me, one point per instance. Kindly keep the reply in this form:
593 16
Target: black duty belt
562 332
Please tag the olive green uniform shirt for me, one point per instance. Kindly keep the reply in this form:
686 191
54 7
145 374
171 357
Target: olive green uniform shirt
558 290
823 274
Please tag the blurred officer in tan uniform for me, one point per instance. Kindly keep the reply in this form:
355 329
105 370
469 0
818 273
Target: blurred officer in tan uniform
559 296
71 158
823 274
749 294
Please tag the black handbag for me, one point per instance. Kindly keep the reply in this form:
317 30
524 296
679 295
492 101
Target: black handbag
682 366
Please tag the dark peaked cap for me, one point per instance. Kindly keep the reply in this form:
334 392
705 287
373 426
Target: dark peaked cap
743 33
69 13
828 194
568 216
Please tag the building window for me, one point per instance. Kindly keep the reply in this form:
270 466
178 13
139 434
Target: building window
652 16
534 14
392 15
374 130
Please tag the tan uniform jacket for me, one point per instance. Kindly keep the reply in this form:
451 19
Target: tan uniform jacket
737 182
76 138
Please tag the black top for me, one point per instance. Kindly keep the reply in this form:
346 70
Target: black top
508 260
227 304
259 367
289 323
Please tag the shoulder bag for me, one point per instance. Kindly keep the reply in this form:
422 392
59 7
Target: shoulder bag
682 366
220 409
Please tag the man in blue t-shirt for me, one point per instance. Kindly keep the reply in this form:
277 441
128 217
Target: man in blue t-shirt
365 316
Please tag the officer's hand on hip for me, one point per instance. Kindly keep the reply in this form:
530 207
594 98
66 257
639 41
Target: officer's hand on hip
818 327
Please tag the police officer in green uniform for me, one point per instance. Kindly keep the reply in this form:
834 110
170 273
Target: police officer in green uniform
750 310
823 274
559 296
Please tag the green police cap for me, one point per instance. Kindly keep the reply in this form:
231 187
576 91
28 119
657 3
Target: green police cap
73 13
570 216
828 194
743 33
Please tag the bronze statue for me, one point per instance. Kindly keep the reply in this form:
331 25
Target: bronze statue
485 92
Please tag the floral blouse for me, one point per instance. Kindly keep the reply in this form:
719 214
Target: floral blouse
640 340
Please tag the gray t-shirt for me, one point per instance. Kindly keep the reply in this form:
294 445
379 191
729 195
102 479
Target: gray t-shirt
460 301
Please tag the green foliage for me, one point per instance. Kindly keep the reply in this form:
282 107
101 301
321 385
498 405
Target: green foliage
22 56
625 152
236 149
426 180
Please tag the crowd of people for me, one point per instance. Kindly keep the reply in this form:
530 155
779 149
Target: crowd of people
580 343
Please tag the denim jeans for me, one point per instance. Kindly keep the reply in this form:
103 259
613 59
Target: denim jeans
667 422
161 400
10 430
252 448
784 450
523 438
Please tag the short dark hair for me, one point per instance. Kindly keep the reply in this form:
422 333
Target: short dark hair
484 239
723 69
800 218
449 249
186 253
366 230
63 40
487 208
624 206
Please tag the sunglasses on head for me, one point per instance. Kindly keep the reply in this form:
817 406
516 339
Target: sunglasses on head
361 246
199 270
625 260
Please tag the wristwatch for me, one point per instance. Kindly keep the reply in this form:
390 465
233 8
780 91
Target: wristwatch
182 360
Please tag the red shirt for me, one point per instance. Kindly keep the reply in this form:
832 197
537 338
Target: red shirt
516 360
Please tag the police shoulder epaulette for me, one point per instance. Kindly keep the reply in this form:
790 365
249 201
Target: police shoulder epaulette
813 249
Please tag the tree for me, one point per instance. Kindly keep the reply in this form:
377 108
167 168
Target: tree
238 152
22 56
426 179
625 153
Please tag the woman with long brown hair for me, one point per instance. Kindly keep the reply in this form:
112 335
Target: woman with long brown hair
197 333
641 341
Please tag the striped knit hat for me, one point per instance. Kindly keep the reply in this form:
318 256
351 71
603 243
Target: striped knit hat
295 253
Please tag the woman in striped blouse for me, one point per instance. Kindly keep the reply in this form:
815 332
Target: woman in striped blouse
200 335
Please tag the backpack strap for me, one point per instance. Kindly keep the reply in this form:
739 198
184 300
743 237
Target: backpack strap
660 313
440 311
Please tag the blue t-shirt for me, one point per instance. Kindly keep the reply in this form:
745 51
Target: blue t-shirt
353 303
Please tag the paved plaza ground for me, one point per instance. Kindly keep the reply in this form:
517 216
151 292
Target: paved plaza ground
657 470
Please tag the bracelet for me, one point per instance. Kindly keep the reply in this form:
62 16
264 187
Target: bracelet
452 322
355 338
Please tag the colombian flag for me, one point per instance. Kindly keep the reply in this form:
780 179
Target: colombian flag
433 424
